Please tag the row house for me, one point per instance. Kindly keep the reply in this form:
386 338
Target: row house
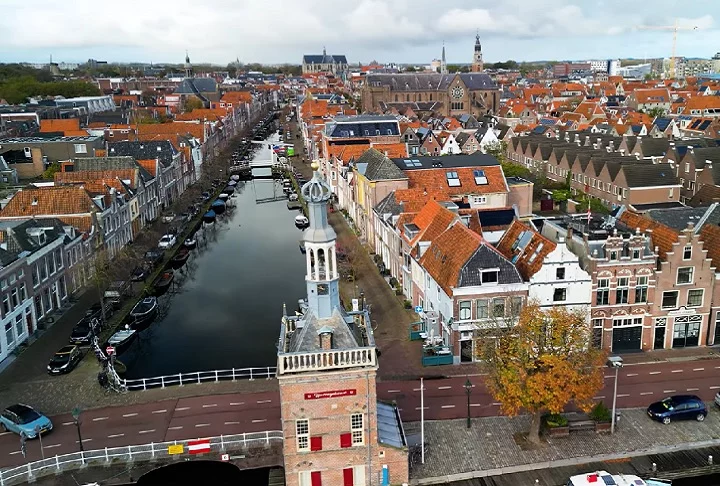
696 164
17 316
30 156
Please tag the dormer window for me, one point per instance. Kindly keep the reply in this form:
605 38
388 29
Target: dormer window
480 178
636 254
489 276
452 179
687 252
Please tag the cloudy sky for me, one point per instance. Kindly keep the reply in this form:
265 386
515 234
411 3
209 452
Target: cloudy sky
278 31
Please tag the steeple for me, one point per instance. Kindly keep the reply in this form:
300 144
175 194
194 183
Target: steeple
477 62
322 275
324 53
188 66
443 64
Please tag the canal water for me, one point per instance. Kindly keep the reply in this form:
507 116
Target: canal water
225 306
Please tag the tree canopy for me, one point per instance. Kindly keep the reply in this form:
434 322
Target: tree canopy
543 363
19 89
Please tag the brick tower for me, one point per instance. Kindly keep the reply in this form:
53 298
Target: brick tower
335 431
477 64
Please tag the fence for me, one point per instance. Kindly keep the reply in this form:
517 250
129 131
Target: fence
200 377
145 452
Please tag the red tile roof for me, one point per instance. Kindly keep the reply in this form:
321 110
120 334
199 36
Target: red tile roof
435 180
96 180
662 236
448 254
50 201
528 259
60 125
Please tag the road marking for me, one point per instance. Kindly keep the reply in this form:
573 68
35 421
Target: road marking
209 405
693 389
14 452
4 433
237 403
655 372
114 436
264 401
607 377
669 391
426 408
623 395
232 423
698 369
714 387
259 421
496 404
68 423
146 431
717 367
126 415
84 440
476 405
677 371
98 419
51 446
416 389
393 391
176 427
631 374
599 397
447 406
646 393
160 411
202 425
444 387
180 409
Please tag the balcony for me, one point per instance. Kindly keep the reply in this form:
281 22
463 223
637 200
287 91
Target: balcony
327 360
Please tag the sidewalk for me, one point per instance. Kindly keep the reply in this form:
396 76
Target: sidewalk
498 449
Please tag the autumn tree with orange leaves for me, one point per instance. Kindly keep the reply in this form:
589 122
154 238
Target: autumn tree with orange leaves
543 363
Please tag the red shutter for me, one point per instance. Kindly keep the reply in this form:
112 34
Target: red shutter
345 440
348 477
316 443
315 478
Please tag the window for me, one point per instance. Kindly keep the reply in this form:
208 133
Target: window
6 304
516 305
613 255
452 179
465 310
35 276
489 277
356 429
480 178
19 330
9 335
14 295
622 291
641 290
498 308
669 299
695 298
597 333
43 269
80 148
685 275
687 252
479 199
559 295
481 309
302 432
354 476
636 254
560 273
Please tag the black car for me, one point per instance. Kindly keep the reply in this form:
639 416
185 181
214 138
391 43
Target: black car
154 257
95 310
65 360
84 330
140 273
678 407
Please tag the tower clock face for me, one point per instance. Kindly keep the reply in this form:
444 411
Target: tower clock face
457 92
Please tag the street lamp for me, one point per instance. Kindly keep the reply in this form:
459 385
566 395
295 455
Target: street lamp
468 389
617 363
76 415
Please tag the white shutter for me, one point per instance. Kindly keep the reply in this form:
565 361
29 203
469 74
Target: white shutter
304 478
359 475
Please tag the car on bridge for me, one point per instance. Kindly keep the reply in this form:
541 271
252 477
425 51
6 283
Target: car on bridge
23 419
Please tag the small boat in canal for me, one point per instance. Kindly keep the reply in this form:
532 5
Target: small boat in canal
229 190
162 283
190 243
223 196
180 257
293 196
232 182
218 206
143 313
301 221
122 339
209 217
235 178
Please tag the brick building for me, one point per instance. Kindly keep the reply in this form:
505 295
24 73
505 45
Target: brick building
335 431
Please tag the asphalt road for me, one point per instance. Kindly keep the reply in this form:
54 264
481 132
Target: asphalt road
213 415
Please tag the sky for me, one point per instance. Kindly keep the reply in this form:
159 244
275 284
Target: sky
402 31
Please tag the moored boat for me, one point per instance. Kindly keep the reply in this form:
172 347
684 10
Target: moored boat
122 339
301 221
218 206
232 182
143 313
162 283
180 257
235 178
228 190
223 196
190 243
209 217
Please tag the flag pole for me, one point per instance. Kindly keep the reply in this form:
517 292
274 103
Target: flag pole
422 422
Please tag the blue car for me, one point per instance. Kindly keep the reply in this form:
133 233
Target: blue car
678 407
23 419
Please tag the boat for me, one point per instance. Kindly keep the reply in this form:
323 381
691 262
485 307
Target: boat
293 196
301 221
228 190
190 243
180 257
218 206
122 339
223 196
209 217
604 477
235 178
143 313
162 283
232 182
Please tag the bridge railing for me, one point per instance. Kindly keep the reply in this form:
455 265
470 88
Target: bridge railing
181 379
145 452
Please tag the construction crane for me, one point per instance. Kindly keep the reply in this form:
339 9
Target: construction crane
674 28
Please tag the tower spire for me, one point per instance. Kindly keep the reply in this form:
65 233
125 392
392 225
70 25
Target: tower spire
443 64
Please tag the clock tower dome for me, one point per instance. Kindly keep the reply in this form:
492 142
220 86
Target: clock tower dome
477 64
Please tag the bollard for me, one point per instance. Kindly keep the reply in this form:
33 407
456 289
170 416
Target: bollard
654 467
710 460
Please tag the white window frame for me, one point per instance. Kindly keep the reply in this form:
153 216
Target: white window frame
302 435
662 299
692 276
80 148
357 429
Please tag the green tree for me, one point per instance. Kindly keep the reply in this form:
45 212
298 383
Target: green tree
192 103
656 112
49 173
410 69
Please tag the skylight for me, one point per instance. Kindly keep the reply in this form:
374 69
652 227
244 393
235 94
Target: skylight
412 163
452 179
480 178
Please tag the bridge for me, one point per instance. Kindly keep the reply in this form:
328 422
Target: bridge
246 451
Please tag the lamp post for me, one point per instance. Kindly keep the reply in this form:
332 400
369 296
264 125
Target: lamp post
76 416
468 389
617 363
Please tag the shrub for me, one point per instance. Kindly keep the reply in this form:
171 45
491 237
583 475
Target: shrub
407 304
600 413
556 420
398 290
393 282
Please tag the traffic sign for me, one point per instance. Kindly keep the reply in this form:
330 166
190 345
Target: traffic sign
176 449
110 350
225 457
418 309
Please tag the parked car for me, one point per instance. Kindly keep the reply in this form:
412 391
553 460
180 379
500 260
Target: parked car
154 257
678 407
84 330
24 419
140 273
168 218
717 399
95 311
167 241
65 360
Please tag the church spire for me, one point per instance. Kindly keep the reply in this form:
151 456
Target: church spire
443 64
477 61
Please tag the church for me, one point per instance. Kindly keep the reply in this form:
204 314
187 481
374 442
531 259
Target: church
444 93
335 432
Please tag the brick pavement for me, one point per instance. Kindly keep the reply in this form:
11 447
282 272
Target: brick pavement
490 444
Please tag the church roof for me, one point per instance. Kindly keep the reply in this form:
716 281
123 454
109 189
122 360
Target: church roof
429 81
324 59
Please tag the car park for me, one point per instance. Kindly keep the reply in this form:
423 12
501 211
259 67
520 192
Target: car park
65 360
23 419
678 407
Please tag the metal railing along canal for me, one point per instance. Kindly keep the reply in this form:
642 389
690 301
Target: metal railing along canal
181 379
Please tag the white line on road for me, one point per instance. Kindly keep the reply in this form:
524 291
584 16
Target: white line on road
476 405
14 452
232 423
646 393
426 408
68 423
698 369
416 389
237 403
146 431
51 446
715 387
496 404
176 427
259 421
607 377
114 436
669 391
97 419
264 401
202 425
444 387
655 372
717 367
208 405
677 371
631 374
4 433
84 440
693 389
622 395
180 409
599 397
393 391
447 406
160 411
126 415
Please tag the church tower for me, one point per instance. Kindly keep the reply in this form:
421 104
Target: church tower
327 366
477 64
443 63
188 66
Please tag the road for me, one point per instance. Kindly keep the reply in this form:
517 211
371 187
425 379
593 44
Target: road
445 398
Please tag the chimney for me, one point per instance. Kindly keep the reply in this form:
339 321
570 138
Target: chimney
587 140
708 163
691 149
326 338
611 146
567 137
577 137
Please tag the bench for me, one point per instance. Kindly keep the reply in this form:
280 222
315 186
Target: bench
578 425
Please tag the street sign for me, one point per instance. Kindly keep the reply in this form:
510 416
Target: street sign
418 309
199 446
176 449
110 350
225 457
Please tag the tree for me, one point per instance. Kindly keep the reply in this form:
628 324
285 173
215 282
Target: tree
410 69
543 363
192 103
656 112
49 173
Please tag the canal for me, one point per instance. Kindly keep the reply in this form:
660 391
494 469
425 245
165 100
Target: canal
225 306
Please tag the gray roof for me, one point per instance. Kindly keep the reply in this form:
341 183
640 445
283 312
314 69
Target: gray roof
195 85
484 258
145 150
648 175
429 81
18 238
7 257
379 167
654 146
390 430
678 218
477 159
702 154
324 59
306 339
389 205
